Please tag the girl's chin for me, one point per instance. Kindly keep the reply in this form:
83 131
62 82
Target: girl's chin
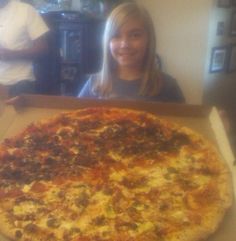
127 66
126 61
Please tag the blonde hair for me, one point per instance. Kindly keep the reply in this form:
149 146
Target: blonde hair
151 81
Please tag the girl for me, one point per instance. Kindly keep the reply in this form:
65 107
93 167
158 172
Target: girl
129 68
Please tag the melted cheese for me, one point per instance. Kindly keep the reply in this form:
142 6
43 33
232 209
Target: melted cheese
117 176
114 156
25 208
144 227
26 188
99 202
109 212
156 177
84 222
178 216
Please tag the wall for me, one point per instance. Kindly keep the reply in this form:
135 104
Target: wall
182 32
220 87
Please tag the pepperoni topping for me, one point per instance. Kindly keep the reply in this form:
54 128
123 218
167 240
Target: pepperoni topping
14 193
39 187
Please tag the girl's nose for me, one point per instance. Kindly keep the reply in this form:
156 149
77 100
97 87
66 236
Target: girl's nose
124 43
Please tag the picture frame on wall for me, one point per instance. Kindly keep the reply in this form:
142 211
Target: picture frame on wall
231 66
220 29
233 24
218 59
224 3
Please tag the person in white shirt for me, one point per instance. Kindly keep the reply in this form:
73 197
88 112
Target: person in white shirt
22 39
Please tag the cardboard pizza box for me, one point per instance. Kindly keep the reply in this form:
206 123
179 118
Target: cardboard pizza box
203 119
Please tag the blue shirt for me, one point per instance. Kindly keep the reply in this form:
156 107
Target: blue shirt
123 89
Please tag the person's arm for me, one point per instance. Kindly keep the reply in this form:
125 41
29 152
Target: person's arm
39 47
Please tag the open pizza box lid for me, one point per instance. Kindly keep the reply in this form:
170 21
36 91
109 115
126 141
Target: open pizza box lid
204 120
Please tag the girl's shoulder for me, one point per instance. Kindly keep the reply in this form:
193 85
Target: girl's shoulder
170 90
168 80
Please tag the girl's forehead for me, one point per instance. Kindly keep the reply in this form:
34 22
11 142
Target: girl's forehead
132 23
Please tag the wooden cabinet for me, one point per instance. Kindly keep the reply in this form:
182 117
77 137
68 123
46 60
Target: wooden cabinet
75 44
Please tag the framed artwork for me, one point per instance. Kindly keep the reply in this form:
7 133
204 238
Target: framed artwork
231 66
233 24
224 3
218 59
220 29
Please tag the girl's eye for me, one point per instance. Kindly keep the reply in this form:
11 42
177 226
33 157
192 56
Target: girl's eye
115 36
136 34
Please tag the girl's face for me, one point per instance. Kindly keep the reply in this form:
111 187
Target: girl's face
128 46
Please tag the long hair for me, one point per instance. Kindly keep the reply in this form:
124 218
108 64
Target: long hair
151 80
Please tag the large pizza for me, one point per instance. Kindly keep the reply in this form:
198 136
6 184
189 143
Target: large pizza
110 174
